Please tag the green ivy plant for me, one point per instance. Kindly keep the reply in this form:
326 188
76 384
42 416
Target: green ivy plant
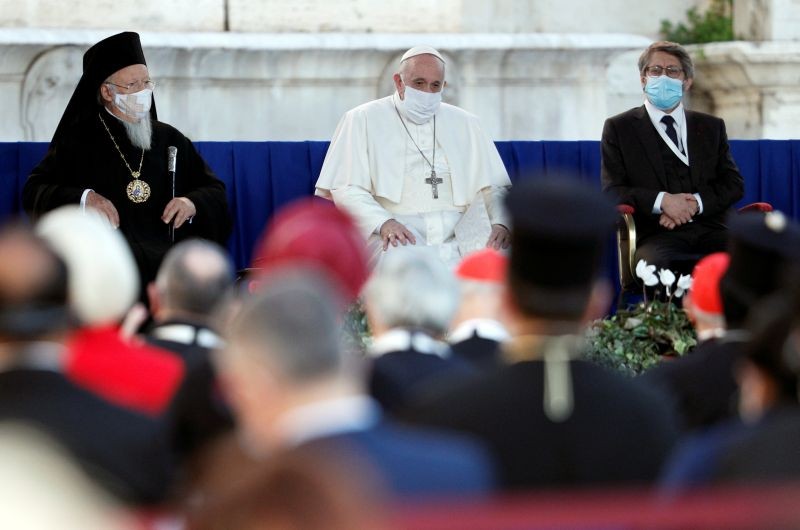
638 338
715 25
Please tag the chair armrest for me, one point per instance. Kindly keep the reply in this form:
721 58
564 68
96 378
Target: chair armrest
626 209
756 207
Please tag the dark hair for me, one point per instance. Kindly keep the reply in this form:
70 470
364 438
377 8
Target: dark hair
672 48
549 304
42 308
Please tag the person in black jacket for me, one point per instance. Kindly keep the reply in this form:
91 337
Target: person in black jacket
671 164
126 453
110 153
552 419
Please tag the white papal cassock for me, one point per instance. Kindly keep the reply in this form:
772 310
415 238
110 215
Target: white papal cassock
374 171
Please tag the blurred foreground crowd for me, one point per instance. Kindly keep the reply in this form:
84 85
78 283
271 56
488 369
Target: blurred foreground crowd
257 402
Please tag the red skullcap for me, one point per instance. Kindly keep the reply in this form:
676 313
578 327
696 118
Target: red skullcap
487 265
705 284
315 233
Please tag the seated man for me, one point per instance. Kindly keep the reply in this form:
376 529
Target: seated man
671 164
292 385
477 331
407 166
411 299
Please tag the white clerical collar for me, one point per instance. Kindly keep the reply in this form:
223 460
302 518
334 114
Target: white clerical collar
399 339
708 334
188 334
679 115
327 418
484 328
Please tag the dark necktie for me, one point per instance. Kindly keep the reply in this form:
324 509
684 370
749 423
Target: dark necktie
669 121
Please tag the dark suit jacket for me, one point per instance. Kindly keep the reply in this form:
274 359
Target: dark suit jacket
398 378
200 413
478 351
414 462
632 167
702 384
126 453
618 430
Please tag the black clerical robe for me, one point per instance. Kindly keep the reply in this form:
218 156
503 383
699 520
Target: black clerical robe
87 159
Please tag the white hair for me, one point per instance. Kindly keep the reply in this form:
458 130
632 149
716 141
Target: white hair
102 274
140 133
411 287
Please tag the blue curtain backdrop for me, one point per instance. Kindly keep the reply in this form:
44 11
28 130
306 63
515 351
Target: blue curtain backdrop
262 176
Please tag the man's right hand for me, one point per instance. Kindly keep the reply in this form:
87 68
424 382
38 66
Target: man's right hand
393 233
104 206
679 207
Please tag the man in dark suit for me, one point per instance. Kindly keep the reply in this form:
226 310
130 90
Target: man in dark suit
762 248
411 298
193 280
293 385
477 331
551 419
124 452
671 164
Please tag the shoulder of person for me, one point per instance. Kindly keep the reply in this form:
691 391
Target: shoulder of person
703 117
454 112
167 130
376 105
634 113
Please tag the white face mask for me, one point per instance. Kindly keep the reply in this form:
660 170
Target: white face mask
420 106
136 105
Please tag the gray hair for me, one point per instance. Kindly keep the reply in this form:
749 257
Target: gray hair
292 322
672 48
411 287
195 277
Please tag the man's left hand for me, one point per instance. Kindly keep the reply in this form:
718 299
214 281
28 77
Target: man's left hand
499 238
180 209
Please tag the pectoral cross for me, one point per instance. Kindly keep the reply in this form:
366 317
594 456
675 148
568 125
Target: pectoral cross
434 182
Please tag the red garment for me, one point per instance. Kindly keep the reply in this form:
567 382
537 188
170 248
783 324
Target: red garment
130 374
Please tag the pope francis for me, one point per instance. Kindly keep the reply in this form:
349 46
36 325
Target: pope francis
408 167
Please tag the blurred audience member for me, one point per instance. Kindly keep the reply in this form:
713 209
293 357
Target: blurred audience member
123 451
477 331
767 376
193 280
313 233
300 489
291 385
703 302
42 489
411 299
103 285
769 398
703 383
552 419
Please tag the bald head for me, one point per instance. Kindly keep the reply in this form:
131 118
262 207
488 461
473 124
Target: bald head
194 277
33 286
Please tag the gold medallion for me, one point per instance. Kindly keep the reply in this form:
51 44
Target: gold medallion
138 190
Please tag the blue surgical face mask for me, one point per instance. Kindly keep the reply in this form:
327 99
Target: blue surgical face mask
664 92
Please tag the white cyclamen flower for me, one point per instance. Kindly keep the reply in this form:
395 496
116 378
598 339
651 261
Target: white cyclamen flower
647 273
684 284
667 277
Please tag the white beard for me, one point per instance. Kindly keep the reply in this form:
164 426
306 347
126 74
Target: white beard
140 133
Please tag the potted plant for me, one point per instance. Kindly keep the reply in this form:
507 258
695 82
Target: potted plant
643 335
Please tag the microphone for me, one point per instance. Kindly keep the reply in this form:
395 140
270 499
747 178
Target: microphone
172 162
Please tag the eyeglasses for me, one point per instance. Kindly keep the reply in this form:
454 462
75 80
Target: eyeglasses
137 85
658 71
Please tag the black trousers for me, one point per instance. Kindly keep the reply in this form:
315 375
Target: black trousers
679 249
